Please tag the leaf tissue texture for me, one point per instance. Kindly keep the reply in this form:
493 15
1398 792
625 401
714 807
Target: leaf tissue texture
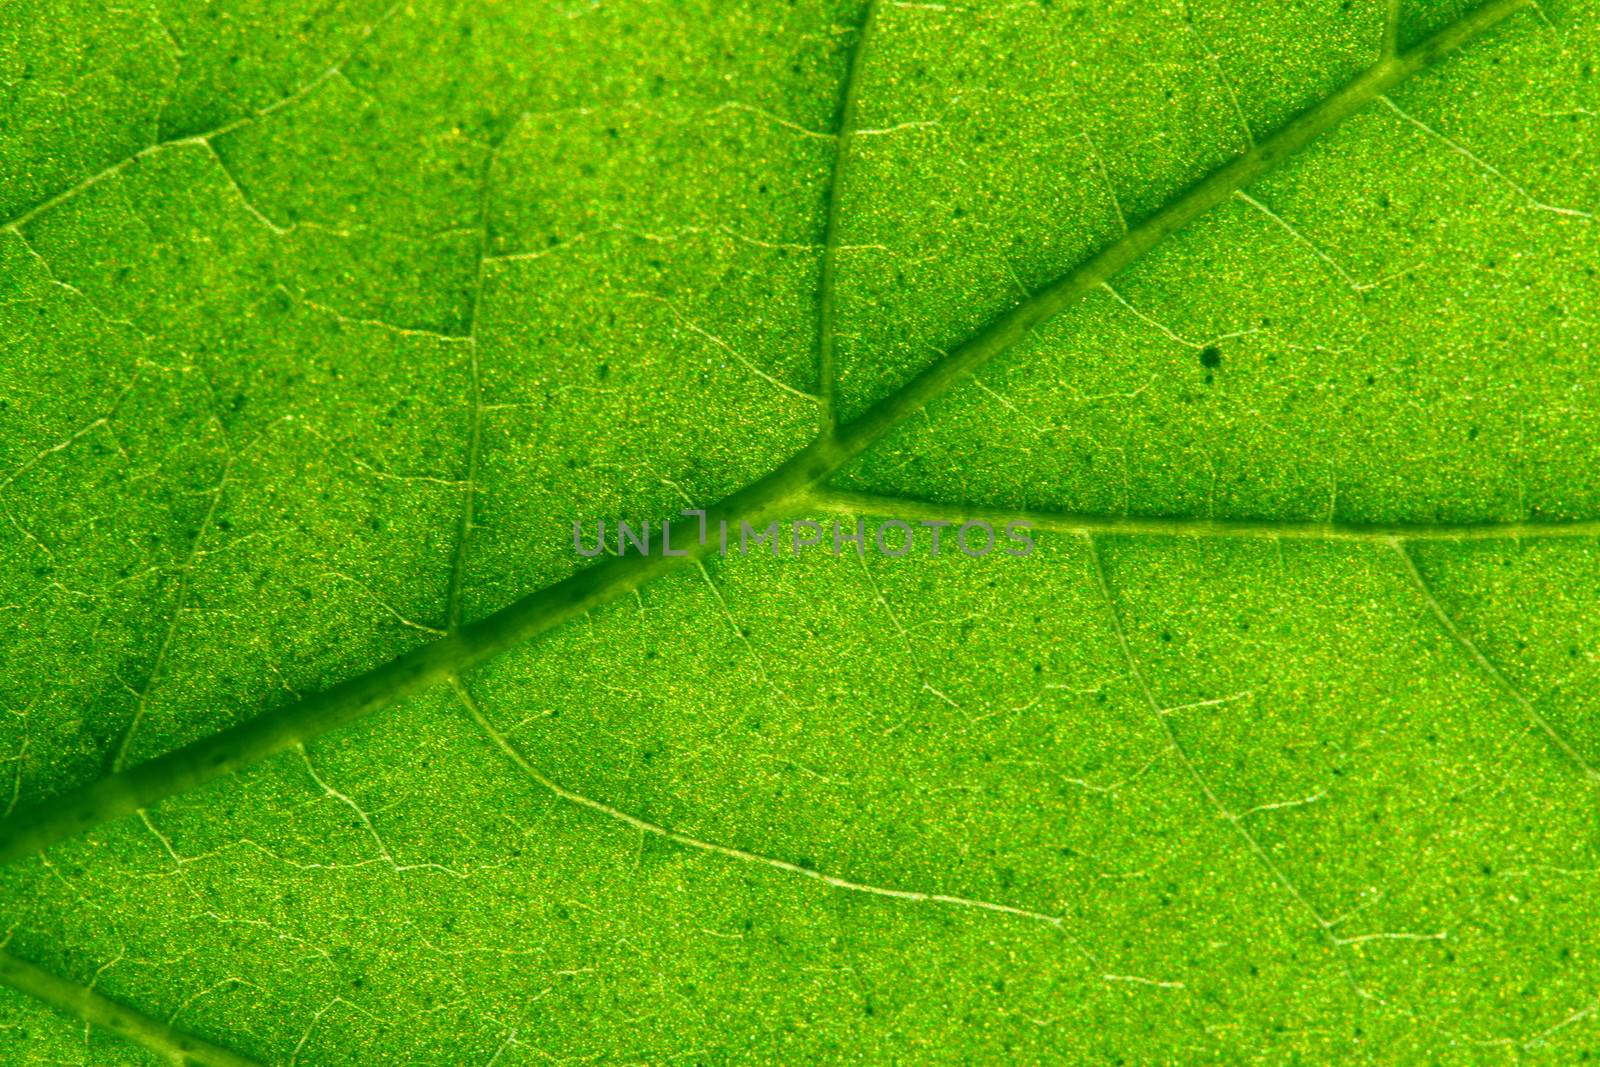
320 325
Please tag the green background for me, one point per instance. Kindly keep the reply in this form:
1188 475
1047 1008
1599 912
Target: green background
268 270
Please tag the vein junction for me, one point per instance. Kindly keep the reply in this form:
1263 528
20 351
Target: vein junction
96 1010
799 483
789 486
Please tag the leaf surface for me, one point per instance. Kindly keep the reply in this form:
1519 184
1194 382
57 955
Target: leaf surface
324 322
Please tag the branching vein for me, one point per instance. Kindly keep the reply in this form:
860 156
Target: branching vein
1467 645
206 138
512 753
469 494
93 1009
847 502
1325 928
1484 165
846 130
28 831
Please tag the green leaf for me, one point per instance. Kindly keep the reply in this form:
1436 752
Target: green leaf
324 323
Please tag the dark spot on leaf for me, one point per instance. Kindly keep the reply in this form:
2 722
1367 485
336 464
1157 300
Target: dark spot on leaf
1211 357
